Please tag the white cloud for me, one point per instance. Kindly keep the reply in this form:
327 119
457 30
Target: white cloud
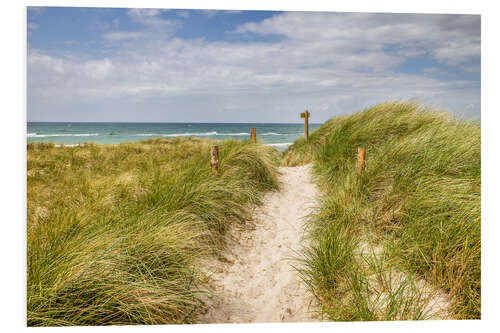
47 65
182 13
140 14
155 27
121 35
213 12
451 39
151 18
455 53
33 26
209 12
329 63
98 69
34 10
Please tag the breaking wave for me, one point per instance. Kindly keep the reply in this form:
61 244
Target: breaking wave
35 135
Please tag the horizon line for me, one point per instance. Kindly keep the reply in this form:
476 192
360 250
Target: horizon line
161 122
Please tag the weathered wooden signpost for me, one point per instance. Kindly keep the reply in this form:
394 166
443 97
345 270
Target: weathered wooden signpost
361 160
253 135
306 115
214 159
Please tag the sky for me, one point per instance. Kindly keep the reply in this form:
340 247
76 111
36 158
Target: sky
173 65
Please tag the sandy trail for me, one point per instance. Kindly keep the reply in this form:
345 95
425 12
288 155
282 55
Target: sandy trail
259 284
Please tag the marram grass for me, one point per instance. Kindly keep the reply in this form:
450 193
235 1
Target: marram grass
116 234
419 200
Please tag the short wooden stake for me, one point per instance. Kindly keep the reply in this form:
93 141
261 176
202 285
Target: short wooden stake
253 135
361 160
324 140
214 160
306 116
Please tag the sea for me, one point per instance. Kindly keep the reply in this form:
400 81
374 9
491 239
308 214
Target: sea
279 136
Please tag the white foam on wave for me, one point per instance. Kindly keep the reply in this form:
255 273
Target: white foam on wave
272 133
208 134
176 134
35 135
193 134
282 144
233 134
190 134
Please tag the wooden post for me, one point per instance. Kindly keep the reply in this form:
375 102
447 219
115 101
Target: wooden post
361 160
214 160
306 115
325 140
253 135
307 125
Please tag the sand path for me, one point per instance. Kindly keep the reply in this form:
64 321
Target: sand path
258 284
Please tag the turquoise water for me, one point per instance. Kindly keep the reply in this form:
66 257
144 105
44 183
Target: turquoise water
277 135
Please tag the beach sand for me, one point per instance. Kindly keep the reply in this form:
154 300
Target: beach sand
258 282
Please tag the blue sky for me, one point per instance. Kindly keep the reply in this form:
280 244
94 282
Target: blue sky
109 64
86 28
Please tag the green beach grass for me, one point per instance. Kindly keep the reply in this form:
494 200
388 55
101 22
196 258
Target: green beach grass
415 214
116 234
